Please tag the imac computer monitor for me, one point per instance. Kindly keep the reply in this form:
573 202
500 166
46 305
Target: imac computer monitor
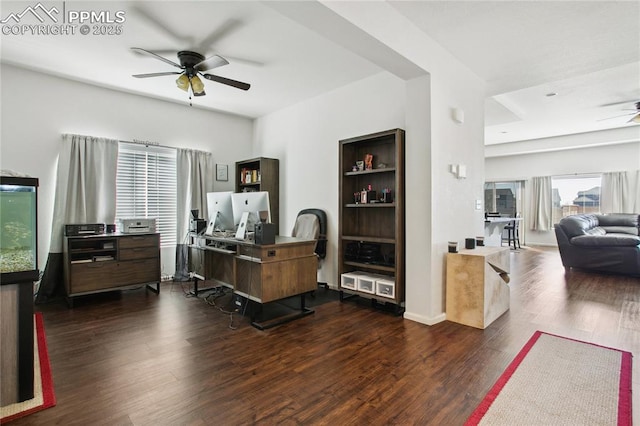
252 203
220 209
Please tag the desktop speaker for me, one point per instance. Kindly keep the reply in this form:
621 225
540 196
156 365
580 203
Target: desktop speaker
197 225
265 233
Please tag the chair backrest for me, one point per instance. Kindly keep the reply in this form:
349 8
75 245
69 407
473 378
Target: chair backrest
312 223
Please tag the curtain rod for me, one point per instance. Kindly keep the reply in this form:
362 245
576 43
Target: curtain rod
140 142
156 144
579 174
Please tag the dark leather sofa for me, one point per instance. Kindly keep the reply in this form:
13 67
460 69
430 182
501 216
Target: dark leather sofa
607 243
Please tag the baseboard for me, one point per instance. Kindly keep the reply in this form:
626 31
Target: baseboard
425 320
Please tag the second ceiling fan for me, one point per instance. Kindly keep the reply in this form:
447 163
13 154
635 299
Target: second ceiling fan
192 64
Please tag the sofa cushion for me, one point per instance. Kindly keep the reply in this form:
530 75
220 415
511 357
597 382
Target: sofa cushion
620 230
618 219
597 230
620 223
578 224
608 240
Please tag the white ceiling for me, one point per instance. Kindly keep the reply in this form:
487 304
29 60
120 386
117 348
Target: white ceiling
588 52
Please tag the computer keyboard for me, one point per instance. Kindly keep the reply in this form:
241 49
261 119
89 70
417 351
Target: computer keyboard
224 234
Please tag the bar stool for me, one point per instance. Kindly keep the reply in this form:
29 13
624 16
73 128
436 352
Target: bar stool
513 233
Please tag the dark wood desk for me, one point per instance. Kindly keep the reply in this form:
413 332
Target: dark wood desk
260 273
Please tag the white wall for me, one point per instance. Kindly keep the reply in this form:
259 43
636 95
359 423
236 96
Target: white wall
305 138
590 159
439 207
38 108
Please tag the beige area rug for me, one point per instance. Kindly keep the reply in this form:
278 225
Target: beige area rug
43 395
560 381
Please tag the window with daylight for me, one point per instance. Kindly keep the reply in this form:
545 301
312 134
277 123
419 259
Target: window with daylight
575 194
503 197
146 187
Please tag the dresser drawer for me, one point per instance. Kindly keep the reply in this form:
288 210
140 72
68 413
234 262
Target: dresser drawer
138 271
87 277
92 276
137 241
139 253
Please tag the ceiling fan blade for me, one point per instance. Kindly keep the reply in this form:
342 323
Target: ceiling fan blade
616 116
633 101
227 81
221 31
156 74
154 55
146 15
212 62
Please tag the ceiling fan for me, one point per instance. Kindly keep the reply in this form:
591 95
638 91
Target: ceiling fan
635 113
192 64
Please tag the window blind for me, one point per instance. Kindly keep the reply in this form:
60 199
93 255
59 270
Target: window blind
146 187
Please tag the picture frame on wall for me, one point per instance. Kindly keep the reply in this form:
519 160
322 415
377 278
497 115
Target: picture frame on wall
222 172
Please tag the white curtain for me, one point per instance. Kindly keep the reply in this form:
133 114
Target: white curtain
195 174
541 214
620 192
85 193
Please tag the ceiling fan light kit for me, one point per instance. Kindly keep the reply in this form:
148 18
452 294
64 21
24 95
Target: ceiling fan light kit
192 64
183 82
197 86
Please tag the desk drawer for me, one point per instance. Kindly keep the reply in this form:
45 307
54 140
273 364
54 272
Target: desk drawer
277 253
139 241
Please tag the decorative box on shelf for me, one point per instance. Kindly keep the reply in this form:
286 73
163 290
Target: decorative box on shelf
386 287
367 283
349 280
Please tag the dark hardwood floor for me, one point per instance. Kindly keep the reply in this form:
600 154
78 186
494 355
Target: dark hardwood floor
135 358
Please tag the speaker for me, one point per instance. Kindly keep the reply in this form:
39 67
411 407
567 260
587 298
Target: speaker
197 225
265 233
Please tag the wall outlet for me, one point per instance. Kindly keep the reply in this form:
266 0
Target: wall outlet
478 204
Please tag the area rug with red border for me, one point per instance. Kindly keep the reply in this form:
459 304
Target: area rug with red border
44 396
555 380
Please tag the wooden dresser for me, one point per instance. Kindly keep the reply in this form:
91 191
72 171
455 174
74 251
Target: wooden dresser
97 263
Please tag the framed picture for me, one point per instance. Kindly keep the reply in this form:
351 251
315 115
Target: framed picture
222 172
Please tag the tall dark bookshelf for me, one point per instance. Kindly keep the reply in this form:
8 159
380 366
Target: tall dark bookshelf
261 174
372 233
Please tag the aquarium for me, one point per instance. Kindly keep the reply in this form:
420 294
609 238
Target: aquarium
18 229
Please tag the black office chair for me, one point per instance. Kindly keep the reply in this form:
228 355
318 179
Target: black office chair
312 223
